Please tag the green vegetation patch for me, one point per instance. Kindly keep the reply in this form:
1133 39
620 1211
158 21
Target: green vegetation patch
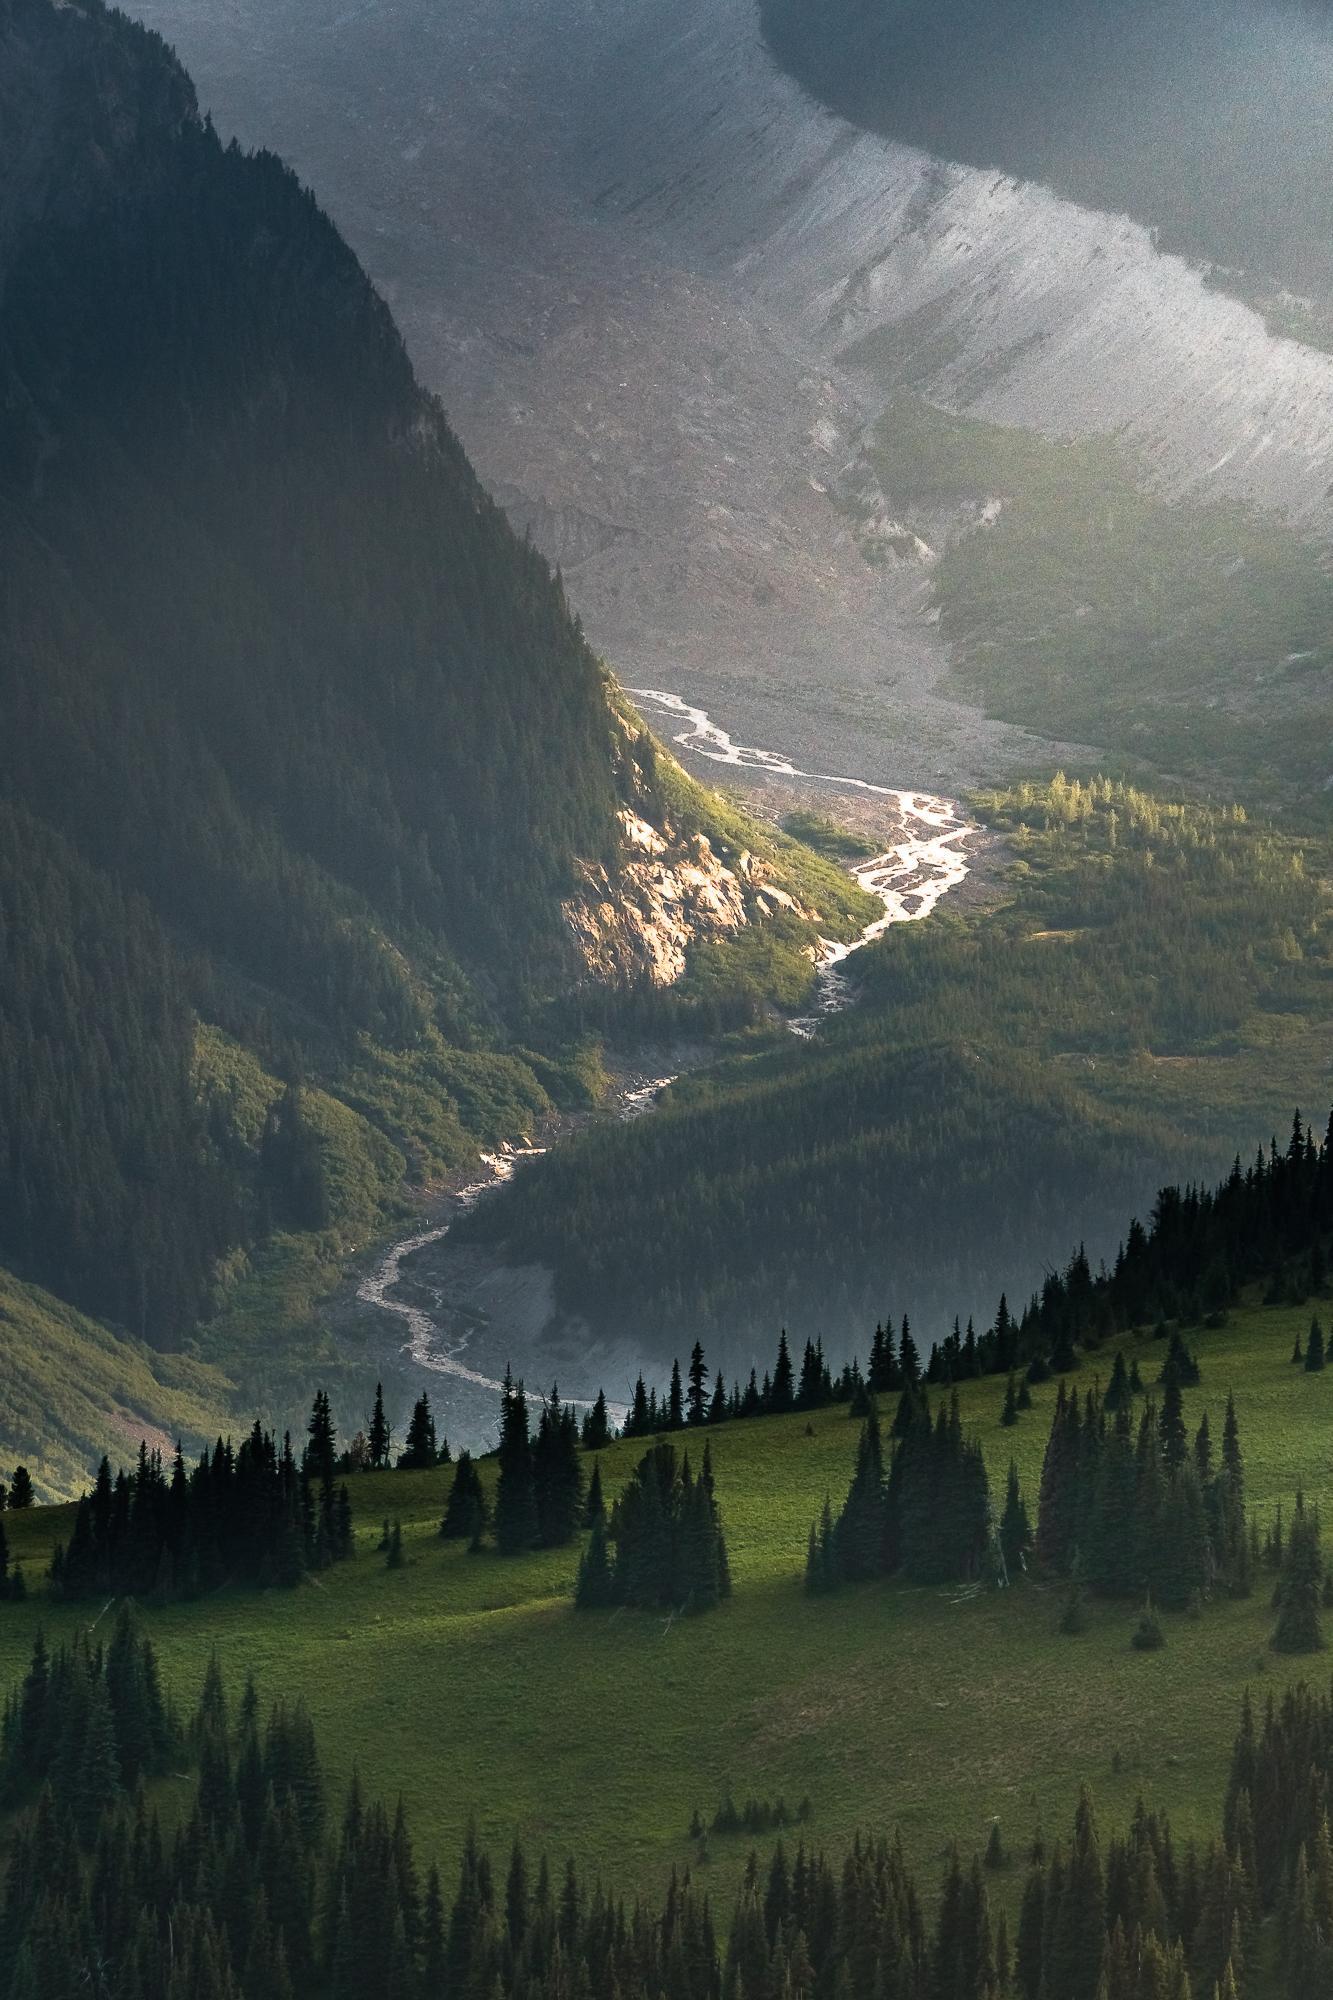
71 1389
828 838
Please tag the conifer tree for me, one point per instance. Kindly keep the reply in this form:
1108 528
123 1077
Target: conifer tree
861 1524
1314 1349
811 1389
595 1509
596 1431
696 1400
420 1449
20 1490
594 1590
782 1391
465 1509
1073 1957
638 1422
1009 1412
516 1522
1118 1392
1015 1528
1171 1425
1029 1945
1057 1499
1203 1451
557 1474
909 1361
675 1412
379 1437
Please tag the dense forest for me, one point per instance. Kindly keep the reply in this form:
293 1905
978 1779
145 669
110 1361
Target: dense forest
1012 1077
264 1890
1268 1224
1188 633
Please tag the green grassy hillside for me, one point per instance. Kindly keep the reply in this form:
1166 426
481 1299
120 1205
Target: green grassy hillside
70 1389
469 1684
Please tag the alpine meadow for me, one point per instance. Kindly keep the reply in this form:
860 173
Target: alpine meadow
666 1000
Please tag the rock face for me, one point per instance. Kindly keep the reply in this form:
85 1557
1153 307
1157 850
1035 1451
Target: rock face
670 887
633 258
670 893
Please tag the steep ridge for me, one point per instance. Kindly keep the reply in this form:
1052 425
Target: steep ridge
634 258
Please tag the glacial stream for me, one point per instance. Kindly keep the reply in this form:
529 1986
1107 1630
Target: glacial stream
909 878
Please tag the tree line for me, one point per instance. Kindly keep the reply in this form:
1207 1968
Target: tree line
1268 1223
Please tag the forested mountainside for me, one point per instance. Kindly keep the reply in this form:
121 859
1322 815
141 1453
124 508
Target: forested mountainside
1202 119
306 771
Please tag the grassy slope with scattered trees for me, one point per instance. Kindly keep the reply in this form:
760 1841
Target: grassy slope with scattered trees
1149 976
470 1684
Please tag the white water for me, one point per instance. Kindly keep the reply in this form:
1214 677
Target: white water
426 1341
428 1344
909 878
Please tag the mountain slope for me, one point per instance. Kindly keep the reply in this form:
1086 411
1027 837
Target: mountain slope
299 744
667 294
